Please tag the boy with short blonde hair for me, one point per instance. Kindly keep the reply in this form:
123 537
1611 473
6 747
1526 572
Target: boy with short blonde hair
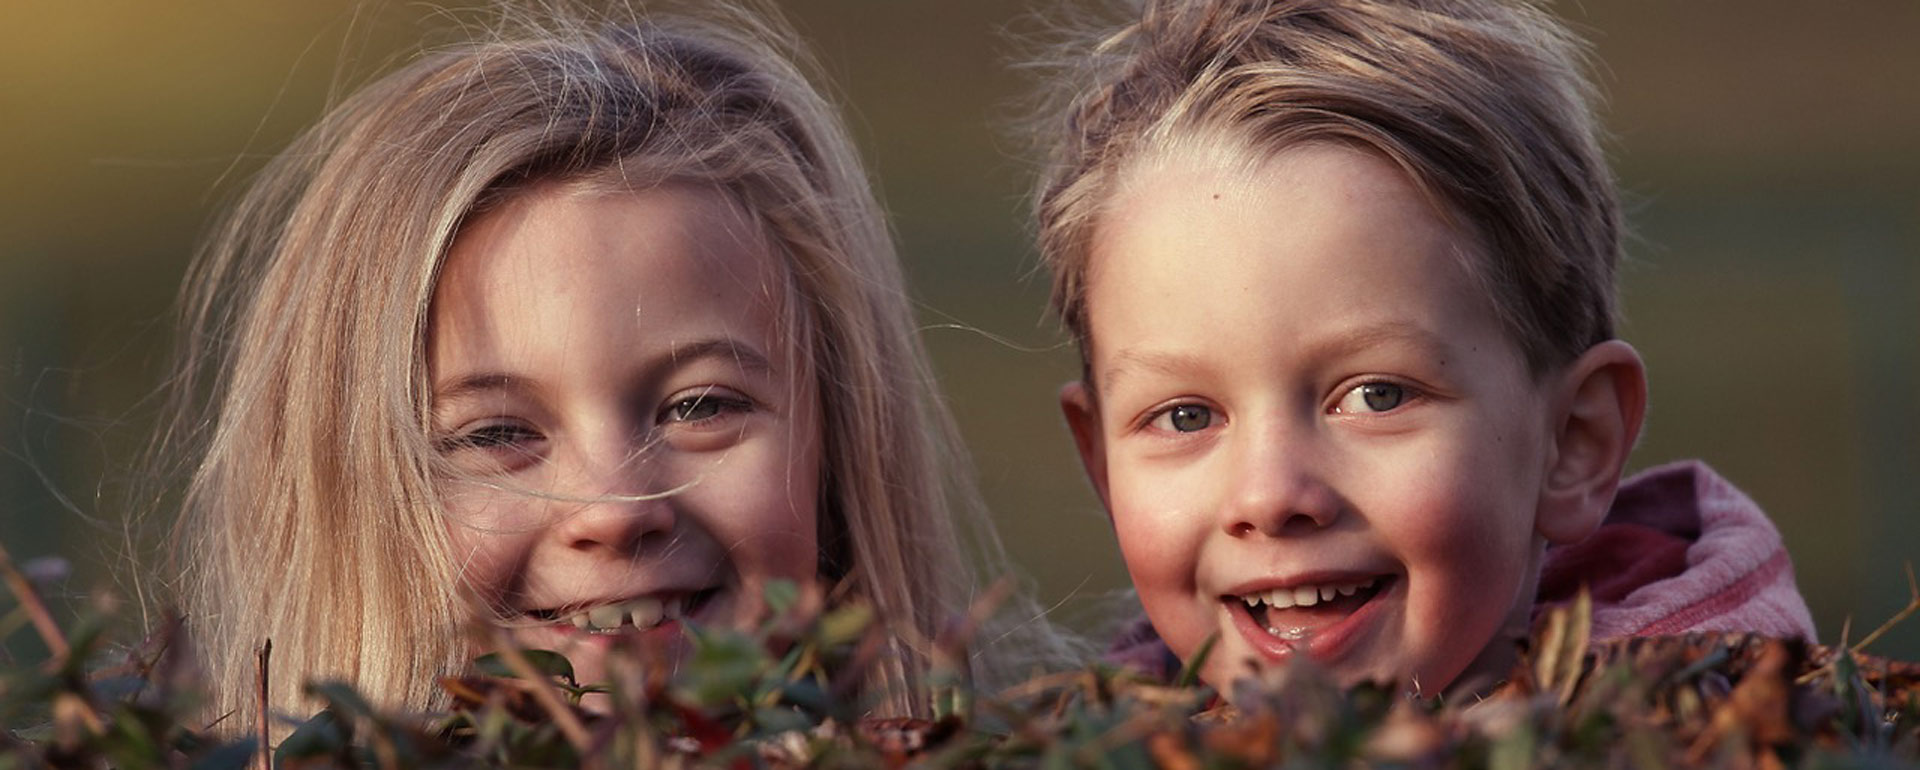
1341 273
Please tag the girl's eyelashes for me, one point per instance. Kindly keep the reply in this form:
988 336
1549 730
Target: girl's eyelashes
704 405
1374 397
493 435
486 447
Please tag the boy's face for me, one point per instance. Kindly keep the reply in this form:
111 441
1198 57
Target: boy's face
1310 430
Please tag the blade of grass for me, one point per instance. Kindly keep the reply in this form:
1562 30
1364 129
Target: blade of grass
1190 673
264 761
35 608
1913 605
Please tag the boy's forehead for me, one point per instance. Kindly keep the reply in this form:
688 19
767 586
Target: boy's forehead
1288 229
1232 162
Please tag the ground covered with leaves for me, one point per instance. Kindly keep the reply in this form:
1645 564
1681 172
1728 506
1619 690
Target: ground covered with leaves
783 697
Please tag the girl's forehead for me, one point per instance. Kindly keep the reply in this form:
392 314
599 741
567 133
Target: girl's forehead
561 277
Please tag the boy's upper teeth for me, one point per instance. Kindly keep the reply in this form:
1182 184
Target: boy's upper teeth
1306 596
642 613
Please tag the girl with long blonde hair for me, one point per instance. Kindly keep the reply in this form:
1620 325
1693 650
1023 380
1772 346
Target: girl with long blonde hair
584 330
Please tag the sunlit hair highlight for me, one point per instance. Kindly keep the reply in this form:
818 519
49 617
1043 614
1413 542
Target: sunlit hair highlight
312 517
1483 103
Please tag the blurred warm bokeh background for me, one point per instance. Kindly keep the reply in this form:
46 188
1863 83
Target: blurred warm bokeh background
1770 149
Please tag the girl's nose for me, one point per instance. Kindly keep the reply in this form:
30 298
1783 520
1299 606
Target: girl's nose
1276 488
619 524
617 510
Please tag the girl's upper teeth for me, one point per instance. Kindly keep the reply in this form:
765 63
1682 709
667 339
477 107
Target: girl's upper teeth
642 613
1306 596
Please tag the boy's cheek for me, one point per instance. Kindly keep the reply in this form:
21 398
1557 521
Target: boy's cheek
1162 560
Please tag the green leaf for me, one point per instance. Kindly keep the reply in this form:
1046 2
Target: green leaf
341 697
807 694
322 736
725 665
845 625
773 721
544 661
782 595
232 756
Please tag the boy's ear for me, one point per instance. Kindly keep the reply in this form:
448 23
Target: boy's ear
1600 401
1083 419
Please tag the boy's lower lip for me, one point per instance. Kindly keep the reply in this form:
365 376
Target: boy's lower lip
1325 644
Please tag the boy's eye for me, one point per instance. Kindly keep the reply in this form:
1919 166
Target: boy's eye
1372 397
1186 418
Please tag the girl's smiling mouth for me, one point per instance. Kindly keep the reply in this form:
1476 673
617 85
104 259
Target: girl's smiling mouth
1318 618
636 615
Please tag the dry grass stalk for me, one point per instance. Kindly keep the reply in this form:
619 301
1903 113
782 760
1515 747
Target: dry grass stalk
36 610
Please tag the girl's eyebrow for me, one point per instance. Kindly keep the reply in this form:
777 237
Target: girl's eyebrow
739 352
481 382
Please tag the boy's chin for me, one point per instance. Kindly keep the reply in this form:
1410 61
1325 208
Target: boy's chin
1244 675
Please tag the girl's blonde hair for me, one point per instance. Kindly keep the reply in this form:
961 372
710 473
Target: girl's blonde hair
312 517
1483 103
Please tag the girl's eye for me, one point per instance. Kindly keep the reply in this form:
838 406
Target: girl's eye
1185 418
492 437
703 406
1372 397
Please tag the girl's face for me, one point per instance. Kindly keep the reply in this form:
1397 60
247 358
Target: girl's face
630 443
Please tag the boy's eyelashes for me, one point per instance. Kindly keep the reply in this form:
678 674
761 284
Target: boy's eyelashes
1185 417
1375 396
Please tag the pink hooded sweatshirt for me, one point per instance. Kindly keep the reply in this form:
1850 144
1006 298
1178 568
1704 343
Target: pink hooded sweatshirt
1681 550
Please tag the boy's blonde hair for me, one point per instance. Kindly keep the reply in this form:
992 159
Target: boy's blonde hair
1483 103
312 516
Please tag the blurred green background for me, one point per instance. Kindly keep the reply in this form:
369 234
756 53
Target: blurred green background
1770 150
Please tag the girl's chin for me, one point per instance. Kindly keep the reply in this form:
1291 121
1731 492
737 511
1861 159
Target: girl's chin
665 643
589 653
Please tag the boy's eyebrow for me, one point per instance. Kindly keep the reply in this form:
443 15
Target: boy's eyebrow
1126 362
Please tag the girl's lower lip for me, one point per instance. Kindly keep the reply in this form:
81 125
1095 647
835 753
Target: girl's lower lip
667 630
1326 644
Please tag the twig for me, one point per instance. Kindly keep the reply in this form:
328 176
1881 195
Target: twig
1841 649
1913 605
544 692
36 609
265 760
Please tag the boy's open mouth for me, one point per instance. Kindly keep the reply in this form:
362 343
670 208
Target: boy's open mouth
628 616
1294 613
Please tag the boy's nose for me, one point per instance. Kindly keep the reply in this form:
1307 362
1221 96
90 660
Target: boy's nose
1275 490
